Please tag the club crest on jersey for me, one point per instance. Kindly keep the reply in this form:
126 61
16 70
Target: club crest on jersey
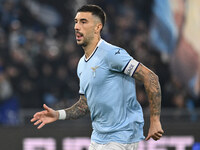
94 70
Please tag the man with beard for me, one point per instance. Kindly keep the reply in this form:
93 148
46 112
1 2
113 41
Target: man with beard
107 76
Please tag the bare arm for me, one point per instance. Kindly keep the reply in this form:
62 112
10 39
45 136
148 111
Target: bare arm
152 87
78 110
49 115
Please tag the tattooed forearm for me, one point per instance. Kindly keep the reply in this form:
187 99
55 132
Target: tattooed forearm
152 87
78 110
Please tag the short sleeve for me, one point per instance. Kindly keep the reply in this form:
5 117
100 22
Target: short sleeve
119 60
81 92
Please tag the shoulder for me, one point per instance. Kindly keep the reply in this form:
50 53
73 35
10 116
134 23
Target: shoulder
109 49
80 63
81 60
108 46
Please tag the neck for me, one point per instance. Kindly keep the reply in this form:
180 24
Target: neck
91 47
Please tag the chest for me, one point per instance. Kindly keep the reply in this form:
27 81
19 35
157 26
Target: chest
93 73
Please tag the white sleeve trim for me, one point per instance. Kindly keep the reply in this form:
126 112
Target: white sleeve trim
62 114
131 67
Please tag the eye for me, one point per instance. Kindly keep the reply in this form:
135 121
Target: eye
83 22
75 21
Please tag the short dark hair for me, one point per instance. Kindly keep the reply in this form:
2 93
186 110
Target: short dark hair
95 10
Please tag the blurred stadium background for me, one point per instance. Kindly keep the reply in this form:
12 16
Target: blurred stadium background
39 55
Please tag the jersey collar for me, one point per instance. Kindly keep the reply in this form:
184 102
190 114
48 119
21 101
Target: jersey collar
94 50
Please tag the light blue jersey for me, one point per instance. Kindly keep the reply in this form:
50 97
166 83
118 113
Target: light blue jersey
111 97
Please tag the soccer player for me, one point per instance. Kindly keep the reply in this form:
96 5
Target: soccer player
107 76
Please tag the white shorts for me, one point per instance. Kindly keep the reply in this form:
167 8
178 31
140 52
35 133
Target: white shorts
113 146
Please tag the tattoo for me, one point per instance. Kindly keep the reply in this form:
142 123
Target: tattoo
152 87
139 74
154 94
78 110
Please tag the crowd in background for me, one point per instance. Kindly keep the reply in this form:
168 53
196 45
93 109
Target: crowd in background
38 59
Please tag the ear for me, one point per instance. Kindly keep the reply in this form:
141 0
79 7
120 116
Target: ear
98 28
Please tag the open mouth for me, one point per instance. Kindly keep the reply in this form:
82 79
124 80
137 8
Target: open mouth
79 35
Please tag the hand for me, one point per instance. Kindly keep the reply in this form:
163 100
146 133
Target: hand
155 131
44 117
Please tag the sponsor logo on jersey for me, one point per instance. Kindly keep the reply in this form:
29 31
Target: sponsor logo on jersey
118 52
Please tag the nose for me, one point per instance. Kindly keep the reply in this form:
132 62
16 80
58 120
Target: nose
76 26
